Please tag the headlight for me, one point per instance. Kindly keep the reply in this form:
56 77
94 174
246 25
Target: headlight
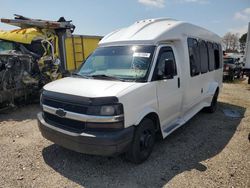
106 110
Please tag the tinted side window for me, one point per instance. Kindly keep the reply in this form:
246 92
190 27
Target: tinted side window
211 56
194 56
220 52
217 56
203 56
166 53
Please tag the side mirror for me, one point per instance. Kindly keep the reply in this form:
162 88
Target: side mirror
166 70
169 69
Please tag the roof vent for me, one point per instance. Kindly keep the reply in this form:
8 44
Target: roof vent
155 20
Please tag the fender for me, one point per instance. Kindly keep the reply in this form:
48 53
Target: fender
144 113
211 91
212 88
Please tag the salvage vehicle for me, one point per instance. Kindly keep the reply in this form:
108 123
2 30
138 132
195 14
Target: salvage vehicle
39 52
232 68
142 82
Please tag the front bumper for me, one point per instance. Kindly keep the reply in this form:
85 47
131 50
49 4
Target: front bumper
96 143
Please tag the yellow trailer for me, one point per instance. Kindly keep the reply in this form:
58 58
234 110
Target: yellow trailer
78 48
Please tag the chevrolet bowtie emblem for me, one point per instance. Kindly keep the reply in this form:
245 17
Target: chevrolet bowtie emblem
60 112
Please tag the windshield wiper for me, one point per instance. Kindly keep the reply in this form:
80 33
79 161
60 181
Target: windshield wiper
80 75
104 76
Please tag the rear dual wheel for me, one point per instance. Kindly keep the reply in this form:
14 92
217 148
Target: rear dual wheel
143 142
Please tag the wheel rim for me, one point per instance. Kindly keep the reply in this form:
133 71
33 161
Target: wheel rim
146 142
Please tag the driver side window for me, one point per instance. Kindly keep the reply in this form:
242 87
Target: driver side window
166 53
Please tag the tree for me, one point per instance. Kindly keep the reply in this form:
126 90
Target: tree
243 40
226 40
231 42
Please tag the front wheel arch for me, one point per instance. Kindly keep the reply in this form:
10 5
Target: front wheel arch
156 120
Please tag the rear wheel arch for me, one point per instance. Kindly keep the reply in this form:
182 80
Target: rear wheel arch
213 87
213 106
217 90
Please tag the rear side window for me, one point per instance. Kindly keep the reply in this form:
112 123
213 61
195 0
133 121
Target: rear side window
220 56
203 56
217 56
211 56
194 56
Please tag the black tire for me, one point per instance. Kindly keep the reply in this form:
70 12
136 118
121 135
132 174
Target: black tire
143 142
214 103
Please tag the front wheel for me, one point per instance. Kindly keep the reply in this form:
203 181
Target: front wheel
143 142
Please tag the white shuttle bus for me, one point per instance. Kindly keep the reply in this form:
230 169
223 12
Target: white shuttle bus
142 81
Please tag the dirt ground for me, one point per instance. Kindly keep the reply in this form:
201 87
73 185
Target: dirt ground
211 150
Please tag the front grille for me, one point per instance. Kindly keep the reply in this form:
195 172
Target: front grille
72 107
64 123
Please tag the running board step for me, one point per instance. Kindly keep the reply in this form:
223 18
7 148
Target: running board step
170 128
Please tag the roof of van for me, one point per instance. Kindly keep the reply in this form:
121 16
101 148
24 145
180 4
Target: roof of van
154 31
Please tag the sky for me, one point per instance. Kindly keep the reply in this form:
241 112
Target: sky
99 17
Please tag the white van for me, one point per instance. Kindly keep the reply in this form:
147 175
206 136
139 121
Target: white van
142 81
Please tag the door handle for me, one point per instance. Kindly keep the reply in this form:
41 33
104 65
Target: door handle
178 80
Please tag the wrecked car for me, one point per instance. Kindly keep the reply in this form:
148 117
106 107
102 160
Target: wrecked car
37 53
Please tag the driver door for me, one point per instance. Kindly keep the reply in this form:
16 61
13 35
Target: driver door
168 89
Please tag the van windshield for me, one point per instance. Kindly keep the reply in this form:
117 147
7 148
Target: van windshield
125 63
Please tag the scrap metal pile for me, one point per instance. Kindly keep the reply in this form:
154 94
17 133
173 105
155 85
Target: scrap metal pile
28 57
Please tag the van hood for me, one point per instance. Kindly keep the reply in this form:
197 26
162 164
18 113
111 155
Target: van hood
89 87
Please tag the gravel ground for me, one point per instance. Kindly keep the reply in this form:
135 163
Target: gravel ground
211 150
